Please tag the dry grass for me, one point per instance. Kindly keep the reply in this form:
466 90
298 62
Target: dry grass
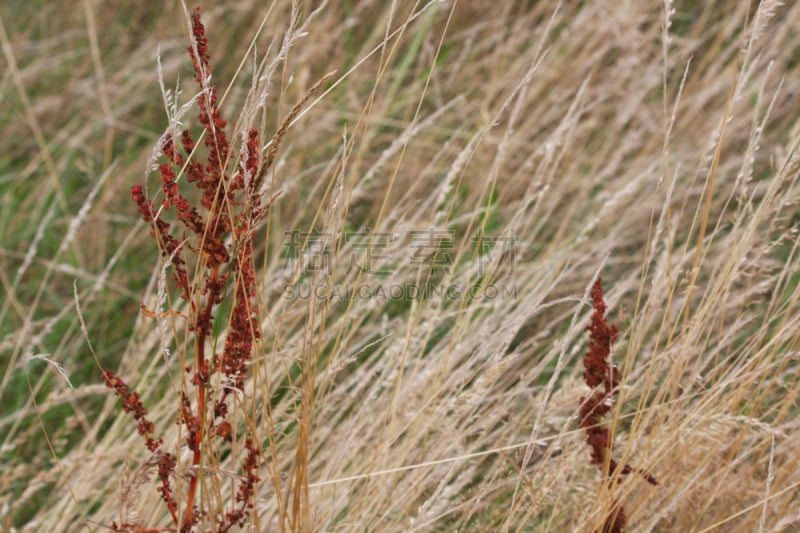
658 148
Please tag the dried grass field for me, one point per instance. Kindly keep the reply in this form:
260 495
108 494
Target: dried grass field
361 293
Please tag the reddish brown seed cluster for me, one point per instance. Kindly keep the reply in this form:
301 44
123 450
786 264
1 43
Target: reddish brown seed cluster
605 379
598 371
217 236
244 495
166 461
131 404
169 245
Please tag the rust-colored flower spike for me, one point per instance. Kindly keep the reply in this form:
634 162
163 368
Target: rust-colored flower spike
131 404
219 234
601 337
604 378
166 461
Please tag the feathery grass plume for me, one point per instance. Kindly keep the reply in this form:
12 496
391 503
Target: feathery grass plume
604 378
230 205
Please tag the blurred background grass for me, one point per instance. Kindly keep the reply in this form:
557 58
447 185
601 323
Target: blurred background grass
561 110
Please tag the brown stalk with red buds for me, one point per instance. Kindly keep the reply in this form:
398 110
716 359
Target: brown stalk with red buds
228 212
